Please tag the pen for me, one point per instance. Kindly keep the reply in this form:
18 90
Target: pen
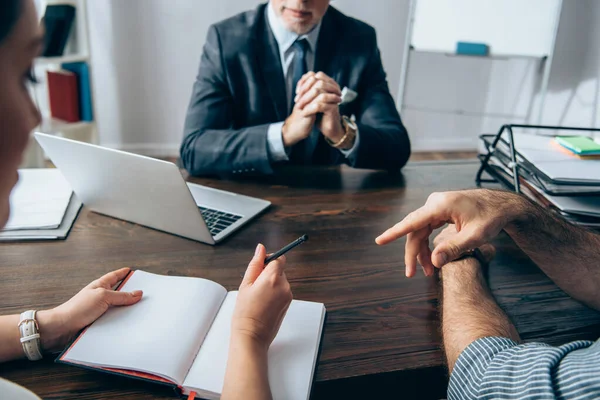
285 249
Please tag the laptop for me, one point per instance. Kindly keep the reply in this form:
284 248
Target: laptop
148 191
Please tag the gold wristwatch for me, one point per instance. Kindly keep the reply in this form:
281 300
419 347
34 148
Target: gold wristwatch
350 130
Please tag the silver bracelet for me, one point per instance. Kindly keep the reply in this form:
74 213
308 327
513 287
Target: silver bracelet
30 335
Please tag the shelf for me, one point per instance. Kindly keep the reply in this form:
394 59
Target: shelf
61 60
462 112
491 56
82 131
53 2
53 125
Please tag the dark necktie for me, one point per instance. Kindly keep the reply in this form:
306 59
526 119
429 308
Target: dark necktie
299 67
302 151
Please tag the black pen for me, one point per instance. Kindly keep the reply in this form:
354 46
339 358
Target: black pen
285 249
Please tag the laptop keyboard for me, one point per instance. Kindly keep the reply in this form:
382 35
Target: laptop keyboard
217 221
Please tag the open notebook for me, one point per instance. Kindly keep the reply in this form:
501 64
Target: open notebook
178 334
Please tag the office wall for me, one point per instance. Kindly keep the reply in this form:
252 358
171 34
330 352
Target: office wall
145 56
451 100
575 81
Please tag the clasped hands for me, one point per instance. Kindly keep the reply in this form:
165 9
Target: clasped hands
316 95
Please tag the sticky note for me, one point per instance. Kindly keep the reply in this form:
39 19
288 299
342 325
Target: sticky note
472 49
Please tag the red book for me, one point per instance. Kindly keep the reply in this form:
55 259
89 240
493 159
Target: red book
63 94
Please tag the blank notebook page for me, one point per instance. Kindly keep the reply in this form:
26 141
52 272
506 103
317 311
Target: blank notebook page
159 335
292 355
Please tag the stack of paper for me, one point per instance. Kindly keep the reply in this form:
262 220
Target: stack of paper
42 205
549 176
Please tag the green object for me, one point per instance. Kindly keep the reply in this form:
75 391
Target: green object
582 145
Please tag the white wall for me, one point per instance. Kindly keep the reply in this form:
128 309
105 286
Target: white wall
145 56
389 18
575 79
506 91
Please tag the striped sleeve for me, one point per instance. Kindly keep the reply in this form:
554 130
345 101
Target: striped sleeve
499 368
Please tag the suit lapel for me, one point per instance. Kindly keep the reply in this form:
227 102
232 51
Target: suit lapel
269 63
325 61
325 58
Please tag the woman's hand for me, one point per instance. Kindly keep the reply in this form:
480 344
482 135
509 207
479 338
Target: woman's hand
262 301
59 325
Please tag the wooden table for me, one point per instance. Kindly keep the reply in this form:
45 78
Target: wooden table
378 321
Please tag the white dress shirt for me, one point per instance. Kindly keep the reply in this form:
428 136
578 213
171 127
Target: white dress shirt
285 39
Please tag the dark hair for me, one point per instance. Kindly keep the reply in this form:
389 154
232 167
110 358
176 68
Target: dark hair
9 15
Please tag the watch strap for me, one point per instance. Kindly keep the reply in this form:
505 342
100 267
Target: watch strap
475 253
30 335
349 133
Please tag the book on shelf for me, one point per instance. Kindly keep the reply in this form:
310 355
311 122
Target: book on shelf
81 70
58 21
178 335
64 95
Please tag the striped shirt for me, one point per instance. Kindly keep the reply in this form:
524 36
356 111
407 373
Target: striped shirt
499 368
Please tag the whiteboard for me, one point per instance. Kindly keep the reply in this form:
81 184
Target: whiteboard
509 27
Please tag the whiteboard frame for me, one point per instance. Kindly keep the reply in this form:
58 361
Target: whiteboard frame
408 48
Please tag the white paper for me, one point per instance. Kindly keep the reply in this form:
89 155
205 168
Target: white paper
39 200
557 165
582 205
60 232
161 334
292 355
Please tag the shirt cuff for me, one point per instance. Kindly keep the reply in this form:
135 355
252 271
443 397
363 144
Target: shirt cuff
494 367
275 142
472 363
352 151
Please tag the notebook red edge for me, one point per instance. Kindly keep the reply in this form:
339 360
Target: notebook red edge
116 371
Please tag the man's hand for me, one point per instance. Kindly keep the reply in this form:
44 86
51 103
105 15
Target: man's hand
317 93
461 275
450 233
297 127
478 215
313 96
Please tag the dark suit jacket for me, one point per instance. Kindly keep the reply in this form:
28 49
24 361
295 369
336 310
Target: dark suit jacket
240 91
